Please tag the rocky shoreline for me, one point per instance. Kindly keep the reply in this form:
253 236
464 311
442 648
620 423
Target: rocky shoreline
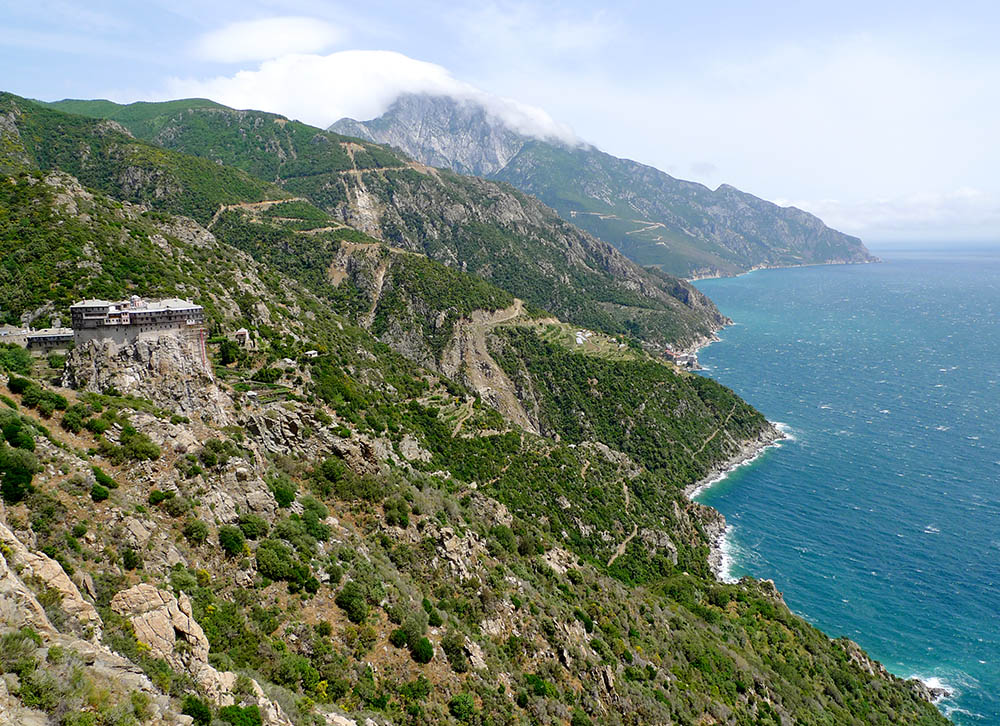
715 526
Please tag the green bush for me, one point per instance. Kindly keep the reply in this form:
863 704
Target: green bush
240 716
17 431
198 710
351 599
422 651
231 540
453 645
131 560
157 497
397 512
276 561
283 489
138 446
398 637
19 385
195 531
99 493
462 707
253 526
14 359
17 469
103 479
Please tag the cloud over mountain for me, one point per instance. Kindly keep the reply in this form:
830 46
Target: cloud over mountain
361 84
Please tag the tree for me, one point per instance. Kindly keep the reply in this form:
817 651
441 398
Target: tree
462 706
351 599
17 469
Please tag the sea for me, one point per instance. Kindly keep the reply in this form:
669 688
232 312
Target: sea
878 517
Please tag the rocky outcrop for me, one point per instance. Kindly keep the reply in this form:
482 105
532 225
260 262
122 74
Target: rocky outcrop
165 624
168 370
50 575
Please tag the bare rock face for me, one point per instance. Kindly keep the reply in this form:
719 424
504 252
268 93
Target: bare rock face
162 621
168 370
51 574
166 625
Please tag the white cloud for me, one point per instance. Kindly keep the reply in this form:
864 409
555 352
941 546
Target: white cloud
361 84
925 215
251 40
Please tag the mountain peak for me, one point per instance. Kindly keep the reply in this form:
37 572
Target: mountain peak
459 133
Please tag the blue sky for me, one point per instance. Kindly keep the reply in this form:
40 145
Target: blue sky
879 117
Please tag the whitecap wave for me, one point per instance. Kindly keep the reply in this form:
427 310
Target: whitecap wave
787 430
727 557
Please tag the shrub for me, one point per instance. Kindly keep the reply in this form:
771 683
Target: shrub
453 645
398 637
240 716
351 599
19 385
275 561
138 446
253 526
422 651
15 359
72 421
17 469
197 710
462 707
131 559
156 496
283 489
103 479
17 431
195 531
397 512
176 506
99 493
231 540
313 514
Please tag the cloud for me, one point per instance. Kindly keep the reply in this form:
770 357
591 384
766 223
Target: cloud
360 84
966 211
520 29
252 40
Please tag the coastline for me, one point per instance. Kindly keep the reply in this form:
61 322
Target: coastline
715 275
719 557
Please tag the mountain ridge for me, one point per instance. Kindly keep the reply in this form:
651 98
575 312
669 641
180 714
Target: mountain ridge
683 227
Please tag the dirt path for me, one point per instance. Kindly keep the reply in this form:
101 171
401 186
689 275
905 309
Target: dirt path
464 415
716 432
252 205
620 550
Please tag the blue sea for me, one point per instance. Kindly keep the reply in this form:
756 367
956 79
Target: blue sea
879 519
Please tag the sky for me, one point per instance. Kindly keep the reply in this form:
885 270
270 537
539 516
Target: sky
880 117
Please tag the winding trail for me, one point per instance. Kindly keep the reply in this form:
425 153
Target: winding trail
715 433
623 545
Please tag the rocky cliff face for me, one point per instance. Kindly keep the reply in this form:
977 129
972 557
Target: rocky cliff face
439 131
169 370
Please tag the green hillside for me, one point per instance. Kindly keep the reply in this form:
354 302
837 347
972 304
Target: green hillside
330 531
485 228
